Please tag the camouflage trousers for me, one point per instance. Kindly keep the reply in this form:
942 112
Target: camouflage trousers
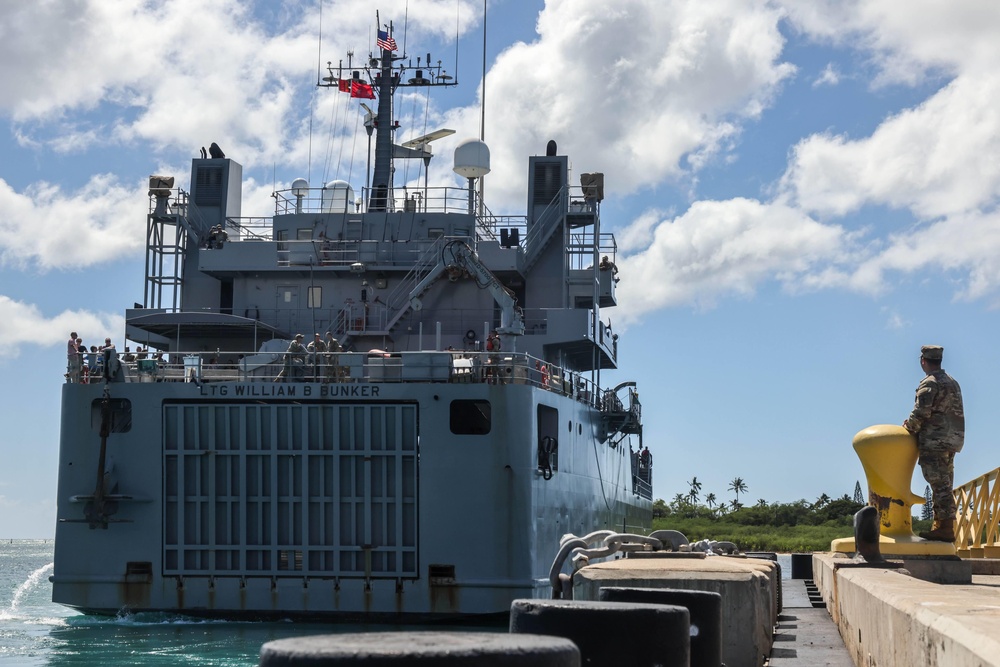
939 471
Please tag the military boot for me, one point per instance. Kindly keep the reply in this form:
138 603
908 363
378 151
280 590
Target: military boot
941 531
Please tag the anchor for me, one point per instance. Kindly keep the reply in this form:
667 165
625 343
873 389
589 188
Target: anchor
103 503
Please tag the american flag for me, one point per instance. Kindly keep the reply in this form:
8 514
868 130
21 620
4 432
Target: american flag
384 41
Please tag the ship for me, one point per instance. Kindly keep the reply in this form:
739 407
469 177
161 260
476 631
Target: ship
382 404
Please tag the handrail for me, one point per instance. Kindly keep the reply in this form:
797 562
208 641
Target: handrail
375 366
977 534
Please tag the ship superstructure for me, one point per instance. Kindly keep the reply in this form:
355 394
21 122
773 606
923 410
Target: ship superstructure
426 465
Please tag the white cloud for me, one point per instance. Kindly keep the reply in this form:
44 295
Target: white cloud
830 76
726 248
645 106
893 319
181 73
965 247
935 159
907 41
50 228
23 325
650 108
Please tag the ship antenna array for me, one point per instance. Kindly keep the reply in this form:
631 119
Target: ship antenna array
424 73
379 77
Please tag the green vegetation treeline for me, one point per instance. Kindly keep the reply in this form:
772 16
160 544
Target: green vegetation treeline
800 526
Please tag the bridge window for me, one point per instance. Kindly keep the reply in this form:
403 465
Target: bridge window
471 417
315 299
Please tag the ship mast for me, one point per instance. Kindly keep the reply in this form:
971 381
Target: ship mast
385 82
385 72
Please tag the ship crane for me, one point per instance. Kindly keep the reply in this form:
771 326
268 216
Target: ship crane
457 256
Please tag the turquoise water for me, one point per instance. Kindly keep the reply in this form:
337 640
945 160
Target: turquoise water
34 631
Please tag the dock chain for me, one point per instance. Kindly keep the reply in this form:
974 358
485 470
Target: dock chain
604 543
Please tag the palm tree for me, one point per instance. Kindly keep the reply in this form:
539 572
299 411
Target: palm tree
822 501
695 489
761 502
710 500
738 486
679 500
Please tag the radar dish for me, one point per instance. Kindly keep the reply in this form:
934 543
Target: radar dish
427 138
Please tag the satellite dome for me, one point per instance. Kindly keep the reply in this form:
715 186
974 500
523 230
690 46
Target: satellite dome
300 187
337 196
472 159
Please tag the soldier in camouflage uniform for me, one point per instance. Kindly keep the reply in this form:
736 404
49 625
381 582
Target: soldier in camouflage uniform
938 421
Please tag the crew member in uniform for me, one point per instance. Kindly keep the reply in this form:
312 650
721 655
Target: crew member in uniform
295 361
938 422
317 349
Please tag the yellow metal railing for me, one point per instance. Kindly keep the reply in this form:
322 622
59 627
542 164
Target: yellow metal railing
976 530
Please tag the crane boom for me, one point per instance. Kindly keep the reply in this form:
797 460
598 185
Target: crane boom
458 256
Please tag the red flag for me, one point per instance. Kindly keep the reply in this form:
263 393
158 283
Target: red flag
362 90
344 85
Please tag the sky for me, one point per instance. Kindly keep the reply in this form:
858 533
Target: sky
803 194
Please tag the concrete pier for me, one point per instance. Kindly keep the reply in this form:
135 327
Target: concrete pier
887 617
748 587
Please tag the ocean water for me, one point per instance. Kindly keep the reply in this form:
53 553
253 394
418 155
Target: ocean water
35 631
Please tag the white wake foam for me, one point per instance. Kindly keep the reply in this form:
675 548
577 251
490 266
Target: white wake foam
29 584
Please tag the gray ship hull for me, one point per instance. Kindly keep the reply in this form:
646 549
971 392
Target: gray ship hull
354 500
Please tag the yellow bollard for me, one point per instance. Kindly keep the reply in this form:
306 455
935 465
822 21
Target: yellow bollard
888 454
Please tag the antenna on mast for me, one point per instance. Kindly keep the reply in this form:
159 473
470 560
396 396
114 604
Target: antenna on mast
379 77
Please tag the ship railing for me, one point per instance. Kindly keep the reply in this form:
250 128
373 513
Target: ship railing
580 248
642 473
405 199
374 366
252 228
351 254
490 226
571 204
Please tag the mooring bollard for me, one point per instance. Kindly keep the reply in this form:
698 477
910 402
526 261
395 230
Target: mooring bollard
704 607
610 634
447 649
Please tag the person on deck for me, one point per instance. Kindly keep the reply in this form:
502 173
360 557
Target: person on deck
938 422
317 350
72 360
334 373
295 361
493 358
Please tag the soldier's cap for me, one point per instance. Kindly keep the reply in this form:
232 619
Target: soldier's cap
299 336
316 334
932 352
327 333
